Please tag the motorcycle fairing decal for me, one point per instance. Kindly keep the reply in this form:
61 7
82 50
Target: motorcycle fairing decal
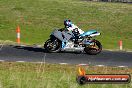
89 33
63 45
67 44
96 34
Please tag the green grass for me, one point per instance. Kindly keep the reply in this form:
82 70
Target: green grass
33 75
37 18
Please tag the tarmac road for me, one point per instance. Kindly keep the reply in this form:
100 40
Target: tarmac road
34 54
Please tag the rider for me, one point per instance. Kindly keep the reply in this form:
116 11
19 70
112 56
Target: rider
69 26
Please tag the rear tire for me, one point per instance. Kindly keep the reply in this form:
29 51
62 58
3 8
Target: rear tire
52 46
94 51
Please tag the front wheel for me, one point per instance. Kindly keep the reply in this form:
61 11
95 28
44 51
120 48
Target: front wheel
52 46
94 48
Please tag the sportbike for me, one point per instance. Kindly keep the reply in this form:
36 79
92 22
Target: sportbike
62 40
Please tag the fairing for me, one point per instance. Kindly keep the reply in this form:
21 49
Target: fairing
88 33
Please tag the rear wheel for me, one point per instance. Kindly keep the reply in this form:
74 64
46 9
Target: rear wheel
94 48
52 46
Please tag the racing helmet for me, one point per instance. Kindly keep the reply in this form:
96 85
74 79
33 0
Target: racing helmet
67 23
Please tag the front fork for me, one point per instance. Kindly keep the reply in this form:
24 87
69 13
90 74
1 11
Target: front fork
90 43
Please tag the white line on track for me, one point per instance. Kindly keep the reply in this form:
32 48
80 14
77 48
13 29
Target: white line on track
2 60
122 66
63 63
23 45
38 62
128 51
100 65
67 63
82 64
39 46
20 61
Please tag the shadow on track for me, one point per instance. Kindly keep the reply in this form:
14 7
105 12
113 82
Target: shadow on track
36 49
29 48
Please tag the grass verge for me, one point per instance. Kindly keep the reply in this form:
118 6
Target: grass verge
40 75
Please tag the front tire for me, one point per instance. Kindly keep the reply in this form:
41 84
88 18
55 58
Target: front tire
93 49
52 46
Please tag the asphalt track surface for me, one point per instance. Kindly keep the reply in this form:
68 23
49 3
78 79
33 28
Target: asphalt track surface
34 54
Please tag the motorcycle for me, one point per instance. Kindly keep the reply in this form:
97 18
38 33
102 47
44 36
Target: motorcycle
63 40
